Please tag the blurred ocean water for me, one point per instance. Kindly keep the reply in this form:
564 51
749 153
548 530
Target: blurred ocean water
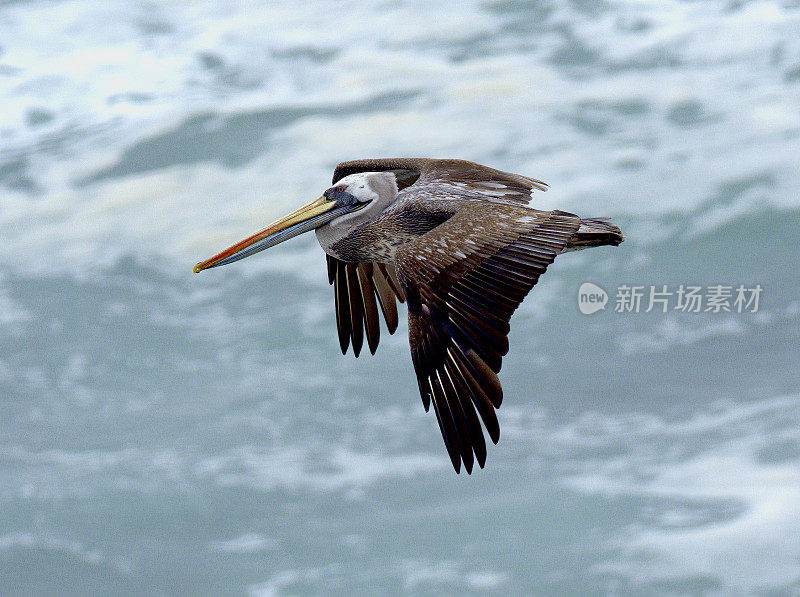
165 433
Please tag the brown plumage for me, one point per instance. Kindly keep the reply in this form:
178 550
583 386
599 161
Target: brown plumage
457 242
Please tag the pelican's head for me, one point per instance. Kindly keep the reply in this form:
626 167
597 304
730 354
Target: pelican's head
353 199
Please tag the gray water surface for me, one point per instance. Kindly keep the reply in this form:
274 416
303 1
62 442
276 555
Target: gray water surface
164 433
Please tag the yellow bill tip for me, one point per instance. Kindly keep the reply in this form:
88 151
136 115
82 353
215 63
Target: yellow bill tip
198 268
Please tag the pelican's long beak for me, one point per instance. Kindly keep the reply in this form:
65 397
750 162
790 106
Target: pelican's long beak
308 217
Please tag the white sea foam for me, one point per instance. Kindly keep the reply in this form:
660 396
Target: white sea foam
58 473
414 575
724 550
296 468
671 332
676 544
425 576
668 102
721 489
13 316
247 543
291 579
29 540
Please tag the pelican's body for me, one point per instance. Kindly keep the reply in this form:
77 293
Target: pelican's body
456 241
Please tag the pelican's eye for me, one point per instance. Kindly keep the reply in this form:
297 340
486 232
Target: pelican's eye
340 196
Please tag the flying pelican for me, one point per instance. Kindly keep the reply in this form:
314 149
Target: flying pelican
456 241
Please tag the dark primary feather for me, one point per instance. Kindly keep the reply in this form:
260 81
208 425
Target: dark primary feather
463 280
386 298
342 303
356 306
358 289
368 302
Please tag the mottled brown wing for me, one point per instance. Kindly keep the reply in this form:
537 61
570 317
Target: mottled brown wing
463 280
489 183
461 175
359 289
414 166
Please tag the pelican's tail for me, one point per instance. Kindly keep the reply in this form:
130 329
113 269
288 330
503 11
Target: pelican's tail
595 232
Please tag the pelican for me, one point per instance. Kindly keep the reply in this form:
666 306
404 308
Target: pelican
454 240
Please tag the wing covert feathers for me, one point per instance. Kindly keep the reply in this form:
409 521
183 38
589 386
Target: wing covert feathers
442 175
463 280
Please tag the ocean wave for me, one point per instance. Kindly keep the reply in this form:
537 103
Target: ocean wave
178 133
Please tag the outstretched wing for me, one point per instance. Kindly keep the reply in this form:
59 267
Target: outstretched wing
356 288
358 285
453 176
463 280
